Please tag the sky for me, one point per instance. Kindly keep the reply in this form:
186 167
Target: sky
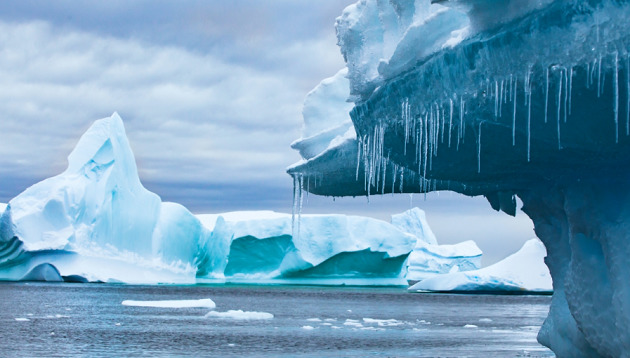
211 95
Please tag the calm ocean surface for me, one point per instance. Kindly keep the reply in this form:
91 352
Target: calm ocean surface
88 320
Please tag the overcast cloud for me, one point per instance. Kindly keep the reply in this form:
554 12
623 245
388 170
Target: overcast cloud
210 92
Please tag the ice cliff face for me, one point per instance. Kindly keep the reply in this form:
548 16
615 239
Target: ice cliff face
503 99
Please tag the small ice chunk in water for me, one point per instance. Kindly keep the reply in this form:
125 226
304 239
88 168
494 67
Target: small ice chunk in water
470 326
240 315
353 323
203 303
22 319
485 320
314 320
308 328
383 322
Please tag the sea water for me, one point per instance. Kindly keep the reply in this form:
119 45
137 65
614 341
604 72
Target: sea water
89 320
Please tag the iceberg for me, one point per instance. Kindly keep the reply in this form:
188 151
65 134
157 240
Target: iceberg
428 258
521 272
96 222
262 246
517 98
328 249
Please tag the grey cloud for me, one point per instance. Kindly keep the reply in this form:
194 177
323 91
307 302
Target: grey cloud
187 115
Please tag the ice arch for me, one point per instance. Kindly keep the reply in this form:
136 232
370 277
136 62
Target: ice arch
524 98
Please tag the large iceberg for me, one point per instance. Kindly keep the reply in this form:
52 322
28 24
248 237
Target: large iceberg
527 98
96 222
521 272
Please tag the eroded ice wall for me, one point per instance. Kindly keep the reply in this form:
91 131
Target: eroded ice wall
527 98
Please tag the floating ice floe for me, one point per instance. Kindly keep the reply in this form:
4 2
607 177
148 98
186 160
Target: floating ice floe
202 303
240 315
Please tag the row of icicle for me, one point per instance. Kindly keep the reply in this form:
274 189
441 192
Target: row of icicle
445 124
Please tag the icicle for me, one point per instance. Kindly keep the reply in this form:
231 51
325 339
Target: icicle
566 92
528 92
301 197
616 86
298 188
294 206
559 106
450 123
385 161
405 115
461 119
628 94
431 138
402 178
599 76
359 145
570 87
546 92
501 98
496 99
479 150
514 112
308 187
426 146
588 74
394 173
443 126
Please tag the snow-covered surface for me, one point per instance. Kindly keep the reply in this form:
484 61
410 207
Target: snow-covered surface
523 271
201 303
326 116
240 315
